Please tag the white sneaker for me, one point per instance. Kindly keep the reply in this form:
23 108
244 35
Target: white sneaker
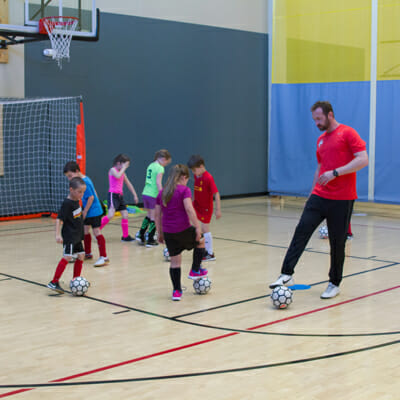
331 291
101 262
283 280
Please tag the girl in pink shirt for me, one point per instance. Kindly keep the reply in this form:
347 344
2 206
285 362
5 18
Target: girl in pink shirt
178 226
116 202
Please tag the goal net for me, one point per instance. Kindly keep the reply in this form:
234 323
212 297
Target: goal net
37 138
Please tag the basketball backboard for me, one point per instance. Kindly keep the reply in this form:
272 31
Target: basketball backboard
21 18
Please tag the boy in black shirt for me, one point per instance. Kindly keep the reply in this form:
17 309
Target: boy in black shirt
71 219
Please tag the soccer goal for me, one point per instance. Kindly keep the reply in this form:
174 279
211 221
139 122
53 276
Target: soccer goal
37 137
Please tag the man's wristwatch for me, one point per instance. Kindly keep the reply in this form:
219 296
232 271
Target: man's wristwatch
335 173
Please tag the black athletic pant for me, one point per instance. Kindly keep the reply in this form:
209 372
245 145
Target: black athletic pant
337 214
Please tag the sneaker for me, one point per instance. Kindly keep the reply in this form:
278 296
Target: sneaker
101 262
88 256
176 295
197 275
128 238
330 292
151 243
209 257
283 280
141 239
349 236
56 287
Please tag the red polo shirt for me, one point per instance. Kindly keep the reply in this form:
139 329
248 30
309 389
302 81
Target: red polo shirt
335 149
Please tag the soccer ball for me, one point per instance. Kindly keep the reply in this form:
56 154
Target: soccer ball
281 297
166 254
323 232
79 286
202 285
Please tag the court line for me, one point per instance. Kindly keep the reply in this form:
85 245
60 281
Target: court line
31 387
25 233
175 319
61 381
204 373
260 297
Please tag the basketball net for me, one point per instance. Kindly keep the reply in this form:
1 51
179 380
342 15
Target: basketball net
60 31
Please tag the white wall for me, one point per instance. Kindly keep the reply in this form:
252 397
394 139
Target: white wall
248 15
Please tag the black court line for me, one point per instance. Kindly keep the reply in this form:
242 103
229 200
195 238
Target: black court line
121 312
26 228
176 318
207 373
306 250
260 297
6 279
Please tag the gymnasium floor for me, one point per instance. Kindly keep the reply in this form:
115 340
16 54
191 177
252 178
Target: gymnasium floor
127 340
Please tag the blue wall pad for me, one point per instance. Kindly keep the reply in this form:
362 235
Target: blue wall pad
387 160
293 136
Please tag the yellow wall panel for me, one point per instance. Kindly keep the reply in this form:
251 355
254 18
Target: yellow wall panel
321 41
388 64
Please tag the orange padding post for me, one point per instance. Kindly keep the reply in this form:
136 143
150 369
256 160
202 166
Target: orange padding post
81 144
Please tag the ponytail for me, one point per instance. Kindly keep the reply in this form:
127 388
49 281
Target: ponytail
176 172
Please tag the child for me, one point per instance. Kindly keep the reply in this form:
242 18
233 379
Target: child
116 201
177 224
70 216
92 213
152 187
205 191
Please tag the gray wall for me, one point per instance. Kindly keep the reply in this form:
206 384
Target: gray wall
151 84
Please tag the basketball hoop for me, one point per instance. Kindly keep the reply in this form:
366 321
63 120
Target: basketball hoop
60 31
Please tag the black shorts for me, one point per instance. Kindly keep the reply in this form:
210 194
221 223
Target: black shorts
72 248
177 242
94 222
116 201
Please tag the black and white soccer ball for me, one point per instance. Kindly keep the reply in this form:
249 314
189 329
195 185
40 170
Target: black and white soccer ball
166 254
79 286
202 285
323 232
281 297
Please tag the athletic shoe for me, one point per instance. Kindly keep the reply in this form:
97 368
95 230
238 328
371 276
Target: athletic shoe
197 275
141 240
151 243
330 292
56 287
176 295
283 280
128 238
88 256
349 236
101 262
209 257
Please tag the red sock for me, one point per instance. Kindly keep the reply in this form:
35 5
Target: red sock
78 268
102 245
59 270
87 240
349 232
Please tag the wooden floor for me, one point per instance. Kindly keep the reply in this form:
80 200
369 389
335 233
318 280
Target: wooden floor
127 340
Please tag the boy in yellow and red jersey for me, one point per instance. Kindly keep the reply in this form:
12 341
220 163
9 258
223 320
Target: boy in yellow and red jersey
205 192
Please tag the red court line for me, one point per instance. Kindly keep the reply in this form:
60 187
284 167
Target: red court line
323 308
201 342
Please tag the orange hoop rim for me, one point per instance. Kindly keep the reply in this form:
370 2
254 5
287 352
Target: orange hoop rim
65 20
